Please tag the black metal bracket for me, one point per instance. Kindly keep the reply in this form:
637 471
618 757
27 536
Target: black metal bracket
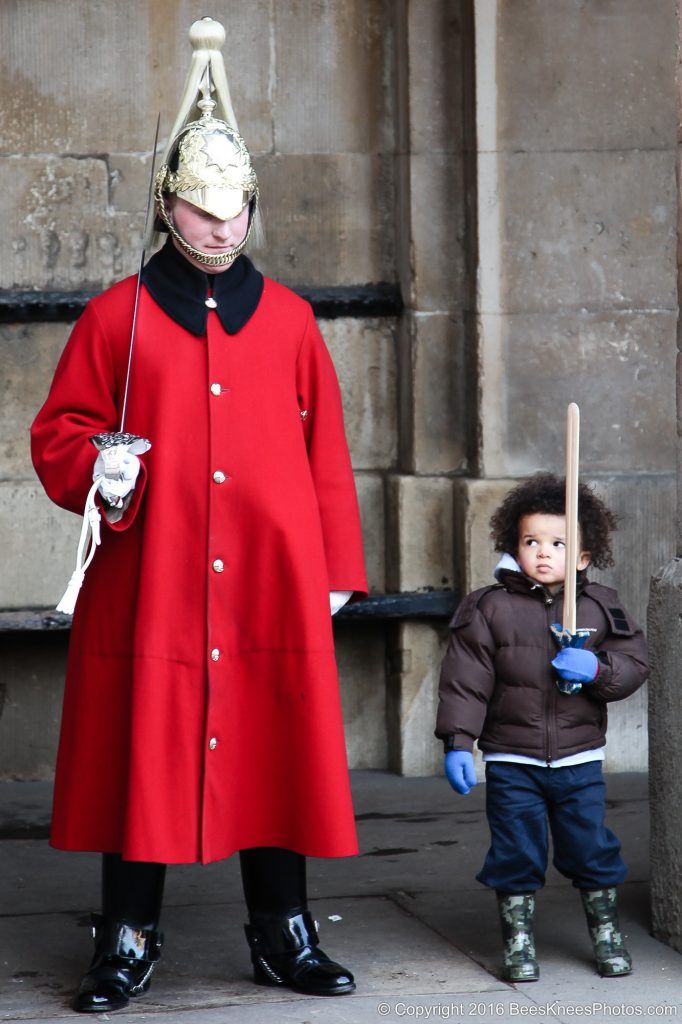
430 604
418 604
20 620
329 303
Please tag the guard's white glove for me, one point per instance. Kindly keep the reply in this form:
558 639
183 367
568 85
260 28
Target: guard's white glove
337 599
118 469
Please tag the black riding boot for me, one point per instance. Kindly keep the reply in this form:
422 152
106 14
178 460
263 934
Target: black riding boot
127 943
281 932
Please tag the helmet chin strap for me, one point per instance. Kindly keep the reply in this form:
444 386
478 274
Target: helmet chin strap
223 259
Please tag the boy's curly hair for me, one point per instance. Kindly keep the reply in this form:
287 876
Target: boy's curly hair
545 493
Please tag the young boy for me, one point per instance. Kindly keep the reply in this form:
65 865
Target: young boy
543 748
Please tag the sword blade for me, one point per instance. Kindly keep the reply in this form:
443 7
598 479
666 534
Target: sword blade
150 194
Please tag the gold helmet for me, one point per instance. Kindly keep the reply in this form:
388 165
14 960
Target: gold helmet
207 163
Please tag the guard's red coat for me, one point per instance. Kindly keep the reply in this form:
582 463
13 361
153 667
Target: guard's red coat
165 753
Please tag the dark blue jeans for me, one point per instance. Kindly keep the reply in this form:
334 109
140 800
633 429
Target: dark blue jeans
521 800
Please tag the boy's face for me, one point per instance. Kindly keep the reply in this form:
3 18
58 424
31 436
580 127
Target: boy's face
206 233
542 549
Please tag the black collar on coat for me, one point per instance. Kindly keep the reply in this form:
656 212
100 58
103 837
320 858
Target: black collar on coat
182 289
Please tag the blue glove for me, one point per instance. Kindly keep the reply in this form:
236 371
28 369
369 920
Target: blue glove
459 768
576 665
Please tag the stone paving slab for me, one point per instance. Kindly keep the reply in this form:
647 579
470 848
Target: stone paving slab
563 948
414 833
419 931
206 961
457 1007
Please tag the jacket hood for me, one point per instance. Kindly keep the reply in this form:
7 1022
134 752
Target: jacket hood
506 564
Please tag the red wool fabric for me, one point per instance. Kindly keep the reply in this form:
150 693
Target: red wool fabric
165 753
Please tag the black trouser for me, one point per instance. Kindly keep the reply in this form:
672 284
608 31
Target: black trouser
274 882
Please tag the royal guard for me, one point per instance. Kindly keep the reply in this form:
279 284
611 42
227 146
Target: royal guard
201 713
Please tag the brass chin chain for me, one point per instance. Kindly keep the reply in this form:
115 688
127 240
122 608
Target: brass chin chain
223 259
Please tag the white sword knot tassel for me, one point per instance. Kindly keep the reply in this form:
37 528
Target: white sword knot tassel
112 447
90 531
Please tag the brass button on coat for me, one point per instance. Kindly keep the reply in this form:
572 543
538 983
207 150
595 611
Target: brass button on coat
215 654
216 389
218 565
212 743
219 477
210 302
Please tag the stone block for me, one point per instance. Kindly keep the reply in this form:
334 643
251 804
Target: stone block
323 225
361 657
665 727
569 242
619 367
627 745
643 543
331 93
328 219
370 489
84 79
364 354
60 230
435 76
645 538
129 180
440 393
31 685
474 503
415 660
42 539
29 354
419 551
437 217
586 76
403 225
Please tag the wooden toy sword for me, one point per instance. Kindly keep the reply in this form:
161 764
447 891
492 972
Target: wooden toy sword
572 463
567 633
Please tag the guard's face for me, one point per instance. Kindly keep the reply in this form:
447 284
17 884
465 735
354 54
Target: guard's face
207 233
542 549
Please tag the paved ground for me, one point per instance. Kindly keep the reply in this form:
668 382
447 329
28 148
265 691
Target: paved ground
407 916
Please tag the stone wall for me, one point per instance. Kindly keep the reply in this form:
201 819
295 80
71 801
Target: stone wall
554 282
510 165
577 294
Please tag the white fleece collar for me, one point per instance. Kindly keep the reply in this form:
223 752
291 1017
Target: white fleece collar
506 564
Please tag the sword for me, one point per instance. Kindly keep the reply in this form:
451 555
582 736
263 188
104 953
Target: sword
150 195
572 464
111 445
567 633
114 444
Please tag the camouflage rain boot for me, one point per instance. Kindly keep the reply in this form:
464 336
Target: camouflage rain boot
516 916
601 912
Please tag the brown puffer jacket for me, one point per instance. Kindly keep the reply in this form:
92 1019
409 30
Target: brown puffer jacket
497 684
